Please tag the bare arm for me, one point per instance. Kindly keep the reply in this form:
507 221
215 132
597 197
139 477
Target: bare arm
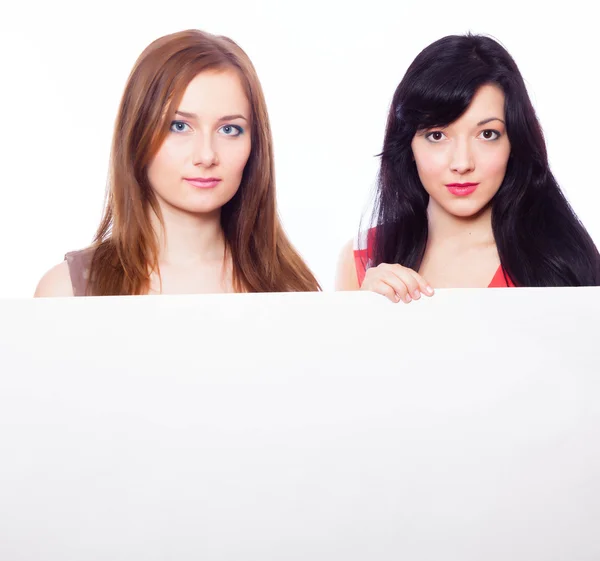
55 283
346 277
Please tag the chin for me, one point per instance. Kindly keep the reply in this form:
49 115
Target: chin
203 204
200 208
464 209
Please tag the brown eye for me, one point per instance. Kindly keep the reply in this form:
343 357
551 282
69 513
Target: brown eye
435 136
490 134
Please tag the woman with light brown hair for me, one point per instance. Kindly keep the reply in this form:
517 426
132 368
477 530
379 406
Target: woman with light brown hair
191 204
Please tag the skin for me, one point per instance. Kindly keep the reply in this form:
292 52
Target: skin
460 250
209 138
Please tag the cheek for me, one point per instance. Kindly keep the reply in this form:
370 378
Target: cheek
167 161
493 163
431 164
234 155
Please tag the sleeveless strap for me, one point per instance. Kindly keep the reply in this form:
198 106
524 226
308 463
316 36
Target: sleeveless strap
363 252
79 263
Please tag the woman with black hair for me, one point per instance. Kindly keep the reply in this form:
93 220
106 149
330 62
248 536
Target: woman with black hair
465 194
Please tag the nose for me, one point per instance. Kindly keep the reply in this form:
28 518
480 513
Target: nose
204 154
462 157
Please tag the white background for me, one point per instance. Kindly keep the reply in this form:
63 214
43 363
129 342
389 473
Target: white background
329 70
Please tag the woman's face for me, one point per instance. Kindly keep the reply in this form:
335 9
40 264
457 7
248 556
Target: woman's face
199 166
463 165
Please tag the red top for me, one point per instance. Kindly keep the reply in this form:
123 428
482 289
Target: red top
363 254
500 281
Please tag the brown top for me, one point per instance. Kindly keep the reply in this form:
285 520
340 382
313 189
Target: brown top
79 269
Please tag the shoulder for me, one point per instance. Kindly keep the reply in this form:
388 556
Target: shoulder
355 258
68 278
55 283
81 259
346 277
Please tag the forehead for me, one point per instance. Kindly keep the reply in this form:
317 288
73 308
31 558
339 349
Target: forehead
487 102
214 93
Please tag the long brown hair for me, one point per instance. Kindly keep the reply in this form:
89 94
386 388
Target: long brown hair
126 245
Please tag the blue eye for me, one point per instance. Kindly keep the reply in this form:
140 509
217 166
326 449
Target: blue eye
231 130
179 126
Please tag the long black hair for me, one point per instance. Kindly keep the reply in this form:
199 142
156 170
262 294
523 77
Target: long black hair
539 238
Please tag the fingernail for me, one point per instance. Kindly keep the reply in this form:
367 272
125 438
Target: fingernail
429 290
416 294
407 298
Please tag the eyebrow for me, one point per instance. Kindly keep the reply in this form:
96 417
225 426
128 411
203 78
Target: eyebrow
486 121
224 118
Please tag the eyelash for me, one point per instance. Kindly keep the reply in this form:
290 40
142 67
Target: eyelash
236 127
174 123
239 129
497 133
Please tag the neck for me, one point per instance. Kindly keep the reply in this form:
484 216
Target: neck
449 229
187 238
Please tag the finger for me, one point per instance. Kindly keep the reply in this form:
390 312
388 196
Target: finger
424 286
417 284
380 287
397 283
375 283
405 276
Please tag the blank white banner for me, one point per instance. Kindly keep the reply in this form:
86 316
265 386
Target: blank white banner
302 426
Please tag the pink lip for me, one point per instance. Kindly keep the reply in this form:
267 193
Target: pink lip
461 189
203 182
